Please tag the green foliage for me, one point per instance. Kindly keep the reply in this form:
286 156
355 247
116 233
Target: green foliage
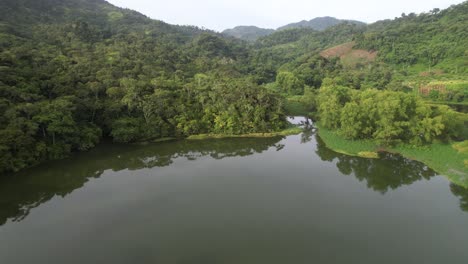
249 33
75 71
289 83
461 147
385 116
320 23
340 144
432 38
126 129
331 100
455 91
443 158
295 107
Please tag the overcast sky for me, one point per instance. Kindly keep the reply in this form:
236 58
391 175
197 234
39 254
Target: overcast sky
221 14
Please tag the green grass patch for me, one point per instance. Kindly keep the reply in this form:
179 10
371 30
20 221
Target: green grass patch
286 132
342 145
155 140
368 154
295 108
443 158
446 159
164 139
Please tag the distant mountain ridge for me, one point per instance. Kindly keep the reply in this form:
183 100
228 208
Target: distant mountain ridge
320 23
252 33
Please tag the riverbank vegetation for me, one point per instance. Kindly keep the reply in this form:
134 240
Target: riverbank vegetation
75 72
286 132
364 122
388 117
450 160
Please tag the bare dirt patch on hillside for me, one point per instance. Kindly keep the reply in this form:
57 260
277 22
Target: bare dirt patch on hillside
348 55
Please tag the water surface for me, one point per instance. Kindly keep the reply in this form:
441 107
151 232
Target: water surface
276 200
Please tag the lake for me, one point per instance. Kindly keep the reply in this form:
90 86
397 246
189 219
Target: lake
260 200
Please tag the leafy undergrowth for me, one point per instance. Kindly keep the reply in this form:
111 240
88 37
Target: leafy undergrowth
461 147
448 160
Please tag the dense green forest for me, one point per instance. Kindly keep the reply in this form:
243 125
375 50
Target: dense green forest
76 71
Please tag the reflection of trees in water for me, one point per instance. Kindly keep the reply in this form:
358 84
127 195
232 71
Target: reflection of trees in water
462 194
30 188
307 132
390 171
307 125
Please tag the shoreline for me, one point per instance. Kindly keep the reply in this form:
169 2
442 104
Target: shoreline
442 158
286 132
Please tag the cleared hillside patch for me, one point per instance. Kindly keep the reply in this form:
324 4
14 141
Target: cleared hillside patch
349 56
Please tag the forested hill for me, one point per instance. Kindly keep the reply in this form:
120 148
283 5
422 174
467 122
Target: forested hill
252 33
321 23
438 37
249 33
74 71
418 47
417 58
99 15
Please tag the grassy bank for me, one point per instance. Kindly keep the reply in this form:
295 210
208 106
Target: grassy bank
295 107
286 132
157 140
448 160
361 148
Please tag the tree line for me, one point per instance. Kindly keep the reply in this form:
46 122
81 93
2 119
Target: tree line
76 71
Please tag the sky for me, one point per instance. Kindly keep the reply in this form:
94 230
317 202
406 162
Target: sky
222 14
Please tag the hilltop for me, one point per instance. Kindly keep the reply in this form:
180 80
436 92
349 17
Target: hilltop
249 33
321 23
252 33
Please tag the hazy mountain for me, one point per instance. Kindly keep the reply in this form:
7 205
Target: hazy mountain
250 33
320 23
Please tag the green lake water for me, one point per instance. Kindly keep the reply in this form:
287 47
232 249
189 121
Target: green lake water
243 201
